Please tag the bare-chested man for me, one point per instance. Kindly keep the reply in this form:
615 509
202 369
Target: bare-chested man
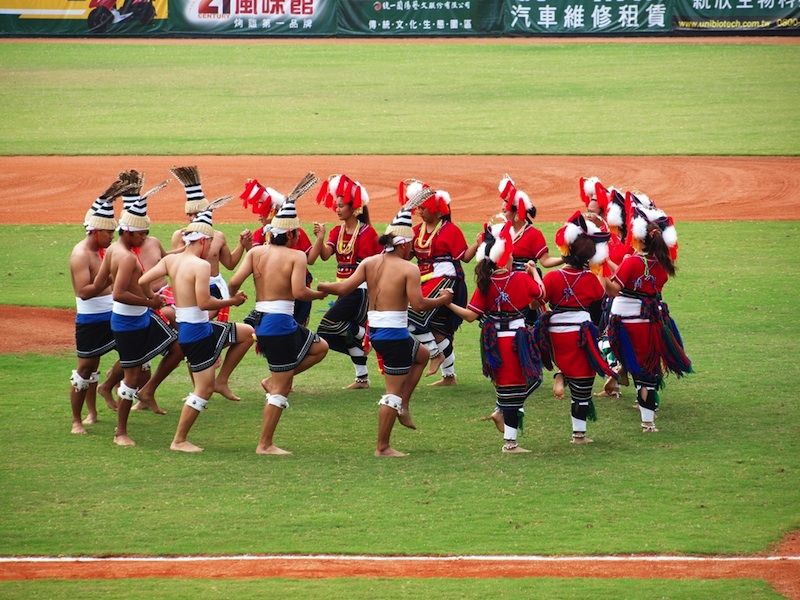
279 274
140 335
201 340
393 283
93 336
218 252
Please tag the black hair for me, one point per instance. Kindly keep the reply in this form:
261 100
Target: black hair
386 240
580 252
483 274
281 239
364 216
655 246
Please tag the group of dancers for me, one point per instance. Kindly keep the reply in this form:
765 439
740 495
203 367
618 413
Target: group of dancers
600 313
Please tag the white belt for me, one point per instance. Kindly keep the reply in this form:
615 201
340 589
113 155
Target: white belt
568 322
219 281
284 307
396 319
190 314
444 269
96 305
513 325
629 309
128 310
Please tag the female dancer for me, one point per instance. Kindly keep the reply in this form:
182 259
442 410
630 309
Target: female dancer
344 325
566 335
439 246
642 333
510 357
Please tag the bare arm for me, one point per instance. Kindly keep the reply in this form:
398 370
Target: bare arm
299 288
611 286
325 251
415 298
205 301
550 261
342 288
242 273
122 282
465 313
156 272
177 240
230 259
471 250
82 283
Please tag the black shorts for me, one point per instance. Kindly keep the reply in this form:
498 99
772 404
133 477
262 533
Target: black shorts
397 355
202 354
93 339
141 345
286 352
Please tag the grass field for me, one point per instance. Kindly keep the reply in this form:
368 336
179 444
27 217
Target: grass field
373 98
720 477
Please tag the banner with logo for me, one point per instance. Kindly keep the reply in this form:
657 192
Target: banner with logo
303 18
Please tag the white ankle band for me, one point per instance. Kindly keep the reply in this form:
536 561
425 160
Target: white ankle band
127 393
196 402
278 400
146 366
509 433
94 377
392 401
79 383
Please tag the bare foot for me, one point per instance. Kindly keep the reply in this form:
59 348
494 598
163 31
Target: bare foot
77 428
434 364
390 452
444 381
90 419
272 450
185 447
106 394
404 416
140 406
148 402
558 386
358 384
223 389
123 440
497 417
265 383
581 440
515 450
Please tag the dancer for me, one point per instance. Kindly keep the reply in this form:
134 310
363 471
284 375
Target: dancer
93 336
344 325
201 341
279 276
439 247
641 331
219 252
393 284
510 356
566 335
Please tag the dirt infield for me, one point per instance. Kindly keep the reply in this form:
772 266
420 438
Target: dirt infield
780 568
693 188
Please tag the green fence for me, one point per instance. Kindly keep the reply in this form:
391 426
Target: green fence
394 17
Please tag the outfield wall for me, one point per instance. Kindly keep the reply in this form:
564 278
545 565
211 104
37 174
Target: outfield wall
381 18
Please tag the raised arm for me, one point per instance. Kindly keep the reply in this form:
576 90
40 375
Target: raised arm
342 288
415 298
230 259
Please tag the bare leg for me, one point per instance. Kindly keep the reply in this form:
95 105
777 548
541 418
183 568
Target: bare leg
386 418
410 382
113 377
85 368
279 383
165 367
558 386
315 354
203 388
497 418
121 437
237 351
91 405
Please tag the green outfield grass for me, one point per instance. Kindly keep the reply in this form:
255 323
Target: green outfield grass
374 98
721 476
354 589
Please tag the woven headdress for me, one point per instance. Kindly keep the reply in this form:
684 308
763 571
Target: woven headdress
497 243
341 186
264 201
514 200
101 214
641 211
202 225
286 218
401 226
190 179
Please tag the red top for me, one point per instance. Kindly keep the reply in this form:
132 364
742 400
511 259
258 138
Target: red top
617 249
519 287
586 288
303 241
449 240
366 245
530 244
631 275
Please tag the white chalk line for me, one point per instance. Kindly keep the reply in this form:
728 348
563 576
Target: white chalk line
396 559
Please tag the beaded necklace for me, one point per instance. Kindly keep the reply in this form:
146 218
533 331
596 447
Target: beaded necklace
518 234
346 249
421 243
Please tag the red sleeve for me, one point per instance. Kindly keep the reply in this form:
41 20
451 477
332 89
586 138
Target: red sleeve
535 292
368 243
333 236
598 291
303 242
626 271
551 287
478 302
457 243
538 243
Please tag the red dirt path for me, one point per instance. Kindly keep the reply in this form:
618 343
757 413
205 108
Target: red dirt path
781 568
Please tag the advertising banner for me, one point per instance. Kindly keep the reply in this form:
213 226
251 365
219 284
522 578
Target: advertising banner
388 18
